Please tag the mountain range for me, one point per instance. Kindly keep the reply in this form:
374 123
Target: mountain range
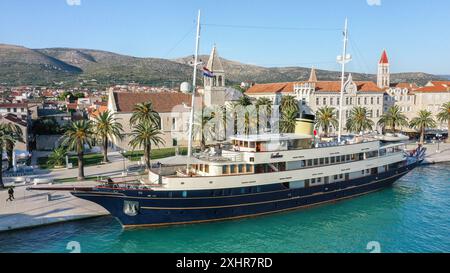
71 67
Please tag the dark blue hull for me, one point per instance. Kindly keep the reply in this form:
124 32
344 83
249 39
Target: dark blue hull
157 208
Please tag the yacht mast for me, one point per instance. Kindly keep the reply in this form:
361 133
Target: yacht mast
194 87
343 59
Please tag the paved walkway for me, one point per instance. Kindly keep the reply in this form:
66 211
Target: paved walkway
32 208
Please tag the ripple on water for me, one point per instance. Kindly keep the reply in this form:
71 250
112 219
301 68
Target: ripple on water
411 216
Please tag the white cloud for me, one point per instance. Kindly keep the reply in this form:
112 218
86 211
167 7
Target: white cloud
73 2
374 2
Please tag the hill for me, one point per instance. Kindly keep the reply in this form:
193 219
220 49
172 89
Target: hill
72 67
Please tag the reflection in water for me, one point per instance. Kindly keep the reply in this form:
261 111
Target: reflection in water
412 216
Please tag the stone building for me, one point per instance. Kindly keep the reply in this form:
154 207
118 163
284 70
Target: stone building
314 94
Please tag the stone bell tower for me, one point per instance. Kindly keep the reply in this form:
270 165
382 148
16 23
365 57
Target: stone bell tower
214 85
383 76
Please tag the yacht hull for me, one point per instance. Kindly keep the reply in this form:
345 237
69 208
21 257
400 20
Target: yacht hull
151 210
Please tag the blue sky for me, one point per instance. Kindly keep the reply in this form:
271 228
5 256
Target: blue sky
416 33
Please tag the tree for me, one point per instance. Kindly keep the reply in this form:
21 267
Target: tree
9 133
17 135
263 105
393 118
107 127
242 105
421 122
77 135
359 120
288 121
57 157
444 116
289 104
144 135
144 112
325 118
202 128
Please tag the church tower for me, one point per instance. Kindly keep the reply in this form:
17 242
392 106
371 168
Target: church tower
383 76
214 84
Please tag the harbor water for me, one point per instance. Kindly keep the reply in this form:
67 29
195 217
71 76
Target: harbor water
411 216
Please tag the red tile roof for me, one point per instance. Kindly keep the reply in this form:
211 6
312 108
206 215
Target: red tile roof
384 58
163 102
407 85
433 89
14 119
321 86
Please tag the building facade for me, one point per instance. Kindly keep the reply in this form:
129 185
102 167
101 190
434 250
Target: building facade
315 94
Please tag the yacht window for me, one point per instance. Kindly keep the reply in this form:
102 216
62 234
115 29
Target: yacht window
343 158
240 168
338 159
232 168
322 161
206 168
313 181
347 157
224 169
184 194
333 160
252 145
335 177
319 180
316 161
327 160
309 162
341 176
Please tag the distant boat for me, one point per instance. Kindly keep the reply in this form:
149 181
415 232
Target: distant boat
388 137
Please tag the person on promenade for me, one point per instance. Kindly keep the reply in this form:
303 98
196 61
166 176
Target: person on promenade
11 195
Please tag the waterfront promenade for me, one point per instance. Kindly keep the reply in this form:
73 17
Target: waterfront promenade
34 208
436 153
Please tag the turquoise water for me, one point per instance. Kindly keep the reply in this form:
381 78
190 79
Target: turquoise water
412 216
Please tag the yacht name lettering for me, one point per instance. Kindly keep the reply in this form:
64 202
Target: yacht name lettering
277 155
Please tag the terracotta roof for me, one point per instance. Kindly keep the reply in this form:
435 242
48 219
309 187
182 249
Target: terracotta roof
321 86
384 58
162 102
433 89
14 119
72 106
402 85
13 105
440 83
98 111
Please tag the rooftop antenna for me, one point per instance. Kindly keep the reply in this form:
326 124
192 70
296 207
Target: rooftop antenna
194 87
343 59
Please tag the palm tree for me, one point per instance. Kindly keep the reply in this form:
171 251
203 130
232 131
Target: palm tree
288 121
8 134
444 116
263 105
325 118
144 135
421 122
241 105
201 128
359 120
107 127
57 157
77 135
393 118
144 112
289 104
